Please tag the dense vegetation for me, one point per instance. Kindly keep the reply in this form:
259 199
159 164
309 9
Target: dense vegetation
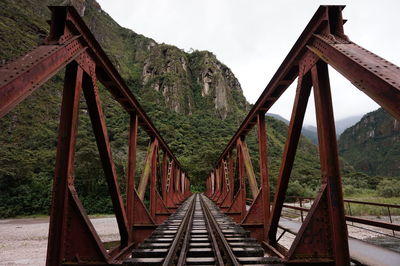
372 145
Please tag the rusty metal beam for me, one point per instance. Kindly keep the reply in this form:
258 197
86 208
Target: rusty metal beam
130 188
294 132
95 110
265 190
164 176
23 76
373 75
64 163
329 161
251 176
242 189
144 179
231 177
153 180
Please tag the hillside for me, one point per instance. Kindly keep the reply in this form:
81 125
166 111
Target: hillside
342 124
307 131
372 145
193 99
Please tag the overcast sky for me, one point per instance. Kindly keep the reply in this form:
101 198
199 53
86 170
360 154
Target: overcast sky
253 37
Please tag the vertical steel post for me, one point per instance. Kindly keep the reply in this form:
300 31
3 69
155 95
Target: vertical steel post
251 176
294 132
130 189
218 182
144 179
212 183
231 178
242 181
96 114
183 183
164 176
64 163
153 180
262 147
330 162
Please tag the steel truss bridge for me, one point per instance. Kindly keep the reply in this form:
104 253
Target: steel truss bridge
221 226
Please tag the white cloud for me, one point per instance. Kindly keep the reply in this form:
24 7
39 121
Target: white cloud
253 37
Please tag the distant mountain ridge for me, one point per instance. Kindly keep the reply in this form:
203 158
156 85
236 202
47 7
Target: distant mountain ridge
310 131
342 124
373 144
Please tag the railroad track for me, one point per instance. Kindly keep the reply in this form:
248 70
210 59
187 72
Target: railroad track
198 233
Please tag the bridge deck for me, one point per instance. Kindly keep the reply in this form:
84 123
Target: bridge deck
360 251
198 233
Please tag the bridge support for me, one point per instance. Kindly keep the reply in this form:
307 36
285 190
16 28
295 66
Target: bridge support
65 204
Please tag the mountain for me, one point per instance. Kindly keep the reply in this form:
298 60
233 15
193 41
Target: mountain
194 100
342 124
373 144
278 117
307 131
310 132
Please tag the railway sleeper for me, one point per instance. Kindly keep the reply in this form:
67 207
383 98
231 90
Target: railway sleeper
200 239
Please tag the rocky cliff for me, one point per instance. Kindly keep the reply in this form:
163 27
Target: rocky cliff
179 78
373 144
164 73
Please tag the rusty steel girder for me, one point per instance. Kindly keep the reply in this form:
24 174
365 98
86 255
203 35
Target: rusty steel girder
322 237
72 237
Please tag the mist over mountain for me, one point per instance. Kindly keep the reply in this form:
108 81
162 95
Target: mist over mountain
343 124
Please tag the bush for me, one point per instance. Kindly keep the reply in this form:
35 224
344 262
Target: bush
295 189
350 190
389 188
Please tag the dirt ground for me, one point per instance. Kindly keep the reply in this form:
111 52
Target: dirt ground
24 241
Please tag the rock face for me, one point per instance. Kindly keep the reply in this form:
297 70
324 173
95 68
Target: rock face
179 76
216 81
165 71
183 82
373 144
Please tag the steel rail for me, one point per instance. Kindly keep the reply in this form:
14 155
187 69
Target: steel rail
214 242
186 239
175 245
230 256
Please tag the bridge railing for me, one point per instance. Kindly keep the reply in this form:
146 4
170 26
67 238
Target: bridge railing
322 237
386 210
72 237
